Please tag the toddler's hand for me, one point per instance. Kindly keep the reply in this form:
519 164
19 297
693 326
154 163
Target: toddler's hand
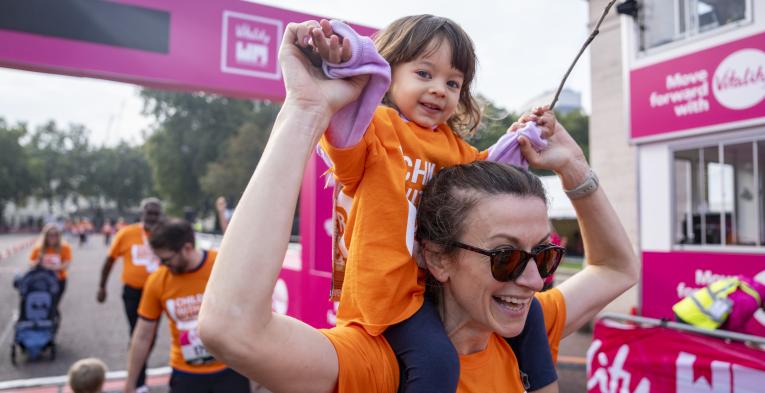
542 116
321 40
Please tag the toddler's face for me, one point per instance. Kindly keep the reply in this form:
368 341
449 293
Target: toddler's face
427 89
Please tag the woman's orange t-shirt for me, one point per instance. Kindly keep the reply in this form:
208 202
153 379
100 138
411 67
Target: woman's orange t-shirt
367 363
53 257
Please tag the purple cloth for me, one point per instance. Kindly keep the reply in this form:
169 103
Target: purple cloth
507 150
348 125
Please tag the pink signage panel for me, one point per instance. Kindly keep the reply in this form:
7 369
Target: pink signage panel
711 87
303 287
228 47
670 276
626 358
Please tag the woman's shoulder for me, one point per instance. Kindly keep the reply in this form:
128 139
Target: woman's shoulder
363 360
553 306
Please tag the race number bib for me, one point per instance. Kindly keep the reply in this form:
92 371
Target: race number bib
52 260
192 348
143 256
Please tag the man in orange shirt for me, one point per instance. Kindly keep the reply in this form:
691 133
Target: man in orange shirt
132 245
176 289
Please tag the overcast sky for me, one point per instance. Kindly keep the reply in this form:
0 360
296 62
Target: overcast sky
523 47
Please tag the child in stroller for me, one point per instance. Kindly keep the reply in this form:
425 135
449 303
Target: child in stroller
35 330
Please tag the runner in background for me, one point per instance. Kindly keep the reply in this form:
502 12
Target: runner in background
132 245
107 230
120 224
52 253
176 289
222 215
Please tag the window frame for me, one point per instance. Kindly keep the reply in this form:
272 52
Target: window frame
754 138
692 33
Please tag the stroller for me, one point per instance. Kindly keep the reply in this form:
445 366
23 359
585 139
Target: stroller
35 330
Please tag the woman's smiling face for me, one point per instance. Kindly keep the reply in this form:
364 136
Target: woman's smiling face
496 220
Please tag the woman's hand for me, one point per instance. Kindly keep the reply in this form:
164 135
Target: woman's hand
562 155
306 85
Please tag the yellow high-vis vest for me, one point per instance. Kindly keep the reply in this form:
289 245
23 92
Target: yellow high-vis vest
709 307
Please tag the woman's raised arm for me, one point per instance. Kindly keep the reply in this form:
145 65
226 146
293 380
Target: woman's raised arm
612 266
236 322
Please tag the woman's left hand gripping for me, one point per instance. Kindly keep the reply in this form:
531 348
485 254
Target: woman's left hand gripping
306 85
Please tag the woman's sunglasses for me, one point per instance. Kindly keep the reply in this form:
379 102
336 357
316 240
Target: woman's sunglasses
507 263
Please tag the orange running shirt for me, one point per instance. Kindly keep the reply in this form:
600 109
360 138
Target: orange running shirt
179 296
138 261
382 178
367 363
53 257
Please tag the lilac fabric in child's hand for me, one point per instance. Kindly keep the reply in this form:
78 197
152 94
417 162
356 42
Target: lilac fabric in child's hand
348 125
508 151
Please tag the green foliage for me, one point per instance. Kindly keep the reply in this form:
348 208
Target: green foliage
16 180
120 174
229 175
494 123
202 146
191 132
57 159
578 125
57 163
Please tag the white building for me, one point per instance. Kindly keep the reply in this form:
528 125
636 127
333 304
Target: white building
569 100
677 137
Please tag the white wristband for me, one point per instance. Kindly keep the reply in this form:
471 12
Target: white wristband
586 187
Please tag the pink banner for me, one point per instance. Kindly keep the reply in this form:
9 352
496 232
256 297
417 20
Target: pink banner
629 359
302 290
670 276
711 87
227 47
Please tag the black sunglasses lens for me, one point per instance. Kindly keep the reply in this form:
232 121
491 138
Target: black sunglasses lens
507 265
548 261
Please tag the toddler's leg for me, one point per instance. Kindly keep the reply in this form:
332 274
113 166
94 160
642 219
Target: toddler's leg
532 350
426 356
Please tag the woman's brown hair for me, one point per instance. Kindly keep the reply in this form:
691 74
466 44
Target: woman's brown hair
409 37
42 242
448 198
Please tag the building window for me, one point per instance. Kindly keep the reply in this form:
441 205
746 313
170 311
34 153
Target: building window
665 21
718 195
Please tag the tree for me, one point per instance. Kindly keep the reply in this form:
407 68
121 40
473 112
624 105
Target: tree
191 132
229 175
16 181
58 159
120 174
494 123
578 125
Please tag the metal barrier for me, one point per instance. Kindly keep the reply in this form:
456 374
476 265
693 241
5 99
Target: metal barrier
723 334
